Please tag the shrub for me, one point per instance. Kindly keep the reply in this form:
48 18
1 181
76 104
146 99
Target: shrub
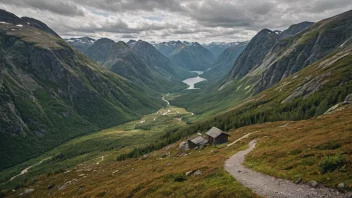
329 146
178 177
332 162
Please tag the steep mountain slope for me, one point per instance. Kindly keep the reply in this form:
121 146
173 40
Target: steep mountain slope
255 72
254 53
291 55
7 17
160 62
167 48
82 44
217 48
121 59
191 56
295 29
51 93
224 62
259 47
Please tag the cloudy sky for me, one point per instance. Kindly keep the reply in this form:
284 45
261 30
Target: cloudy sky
162 20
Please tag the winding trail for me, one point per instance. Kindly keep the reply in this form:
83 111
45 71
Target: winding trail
245 136
24 171
268 186
101 159
167 102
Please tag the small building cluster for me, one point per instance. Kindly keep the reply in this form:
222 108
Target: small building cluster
214 136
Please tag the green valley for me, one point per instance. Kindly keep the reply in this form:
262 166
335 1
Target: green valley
97 116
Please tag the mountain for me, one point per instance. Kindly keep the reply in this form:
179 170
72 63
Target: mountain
51 92
293 54
224 62
254 53
295 29
123 60
82 44
167 48
217 48
191 56
269 59
260 46
157 60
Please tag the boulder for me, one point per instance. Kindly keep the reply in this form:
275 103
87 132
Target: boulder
144 157
348 99
183 146
27 191
198 172
341 186
189 172
165 155
298 181
313 184
51 186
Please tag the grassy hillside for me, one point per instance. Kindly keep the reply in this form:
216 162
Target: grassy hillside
158 174
51 93
317 149
109 143
285 149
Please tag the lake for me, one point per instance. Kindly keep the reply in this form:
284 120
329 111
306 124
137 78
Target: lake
192 81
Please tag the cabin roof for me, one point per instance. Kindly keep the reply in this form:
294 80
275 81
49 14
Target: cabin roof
199 140
215 132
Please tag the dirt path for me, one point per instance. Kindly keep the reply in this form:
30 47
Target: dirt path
268 186
245 136
24 171
101 159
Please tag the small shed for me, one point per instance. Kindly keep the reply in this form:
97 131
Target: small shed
198 141
217 136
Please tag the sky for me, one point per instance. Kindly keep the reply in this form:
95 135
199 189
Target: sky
203 21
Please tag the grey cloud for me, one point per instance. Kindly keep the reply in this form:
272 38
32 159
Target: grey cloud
179 19
130 5
66 8
118 26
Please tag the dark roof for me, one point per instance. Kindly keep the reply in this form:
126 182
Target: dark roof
199 140
215 132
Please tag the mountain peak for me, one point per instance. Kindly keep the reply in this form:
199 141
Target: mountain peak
9 17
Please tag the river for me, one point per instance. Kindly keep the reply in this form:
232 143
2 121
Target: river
192 81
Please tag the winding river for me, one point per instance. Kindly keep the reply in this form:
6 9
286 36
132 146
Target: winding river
192 81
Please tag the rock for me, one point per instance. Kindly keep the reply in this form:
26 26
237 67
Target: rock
183 146
313 184
64 185
27 191
165 155
198 172
348 99
144 157
341 186
298 181
189 172
51 186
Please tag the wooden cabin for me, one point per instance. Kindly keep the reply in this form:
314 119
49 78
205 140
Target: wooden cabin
217 136
198 141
